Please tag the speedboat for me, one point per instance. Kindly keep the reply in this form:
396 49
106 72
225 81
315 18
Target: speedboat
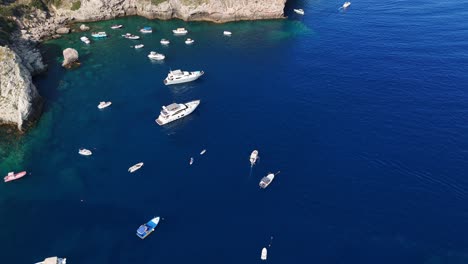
53 260
135 167
145 229
156 56
263 256
191 161
265 181
130 36
85 152
139 46
203 152
176 111
11 176
146 30
101 34
253 157
179 76
103 104
299 11
165 42
180 31
85 39
116 26
227 33
189 41
346 4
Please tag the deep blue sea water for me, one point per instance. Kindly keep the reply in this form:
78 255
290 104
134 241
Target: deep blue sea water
364 112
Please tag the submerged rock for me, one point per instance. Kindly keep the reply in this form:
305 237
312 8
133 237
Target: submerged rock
19 100
70 58
83 27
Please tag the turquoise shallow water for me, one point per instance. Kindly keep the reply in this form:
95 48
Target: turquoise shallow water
362 110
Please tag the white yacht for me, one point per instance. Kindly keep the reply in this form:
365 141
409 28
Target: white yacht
179 76
191 161
180 31
85 39
130 36
100 34
156 56
139 46
227 33
116 26
265 181
253 157
103 104
203 152
85 152
189 41
176 111
263 256
135 167
53 260
346 4
165 42
146 30
299 11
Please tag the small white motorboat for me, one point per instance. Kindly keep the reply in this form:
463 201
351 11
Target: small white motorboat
84 152
116 26
156 56
203 152
85 39
104 104
189 41
165 42
263 256
265 181
130 36
191 161
346 4
146 30
139 46
180 31
135 167
227 33
101 34
253 157
299 11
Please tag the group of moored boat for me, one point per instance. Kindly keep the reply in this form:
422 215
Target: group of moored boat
265 181
301 11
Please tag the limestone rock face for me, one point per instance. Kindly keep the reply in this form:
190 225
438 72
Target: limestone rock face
70 56
19 99
63 30
209 10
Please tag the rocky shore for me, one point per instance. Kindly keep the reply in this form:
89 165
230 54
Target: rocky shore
19 99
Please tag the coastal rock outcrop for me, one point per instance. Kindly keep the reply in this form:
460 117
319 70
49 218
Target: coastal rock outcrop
62 30
70 57
19 99
208 10
84 27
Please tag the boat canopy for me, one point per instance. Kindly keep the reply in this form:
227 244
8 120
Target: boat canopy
172 107
142 229
147 28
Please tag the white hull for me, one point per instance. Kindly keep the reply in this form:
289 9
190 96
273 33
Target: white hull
299 11
139 46
263 256
103 105
227 33
156 56
135 167
85 40
267 180
203 152
346 4
191 106
85 152
192 77
253 157
165 42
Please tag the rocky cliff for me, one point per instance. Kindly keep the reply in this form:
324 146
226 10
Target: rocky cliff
208 10
19 99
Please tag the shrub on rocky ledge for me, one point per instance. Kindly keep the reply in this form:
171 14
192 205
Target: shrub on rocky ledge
76 5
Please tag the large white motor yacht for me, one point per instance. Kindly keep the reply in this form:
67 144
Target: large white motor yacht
176 111
179 76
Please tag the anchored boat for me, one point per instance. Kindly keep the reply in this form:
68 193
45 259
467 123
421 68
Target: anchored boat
84 152
85 40
180 31
53 260
299 11
146 30
116 26
189 41
11 176
203 152
253 157
139 46
130 36
145 229
178 76
263 256
265 181
176 111
227 33
346 4
156 56
101 34
103 104
135 167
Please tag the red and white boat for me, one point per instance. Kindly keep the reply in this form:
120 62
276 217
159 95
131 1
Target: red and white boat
14 176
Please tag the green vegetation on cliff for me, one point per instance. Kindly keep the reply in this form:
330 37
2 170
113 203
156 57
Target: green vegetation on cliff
157 2
76 5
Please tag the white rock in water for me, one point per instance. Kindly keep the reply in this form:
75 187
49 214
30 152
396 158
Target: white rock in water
19 99
69 56
83 27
